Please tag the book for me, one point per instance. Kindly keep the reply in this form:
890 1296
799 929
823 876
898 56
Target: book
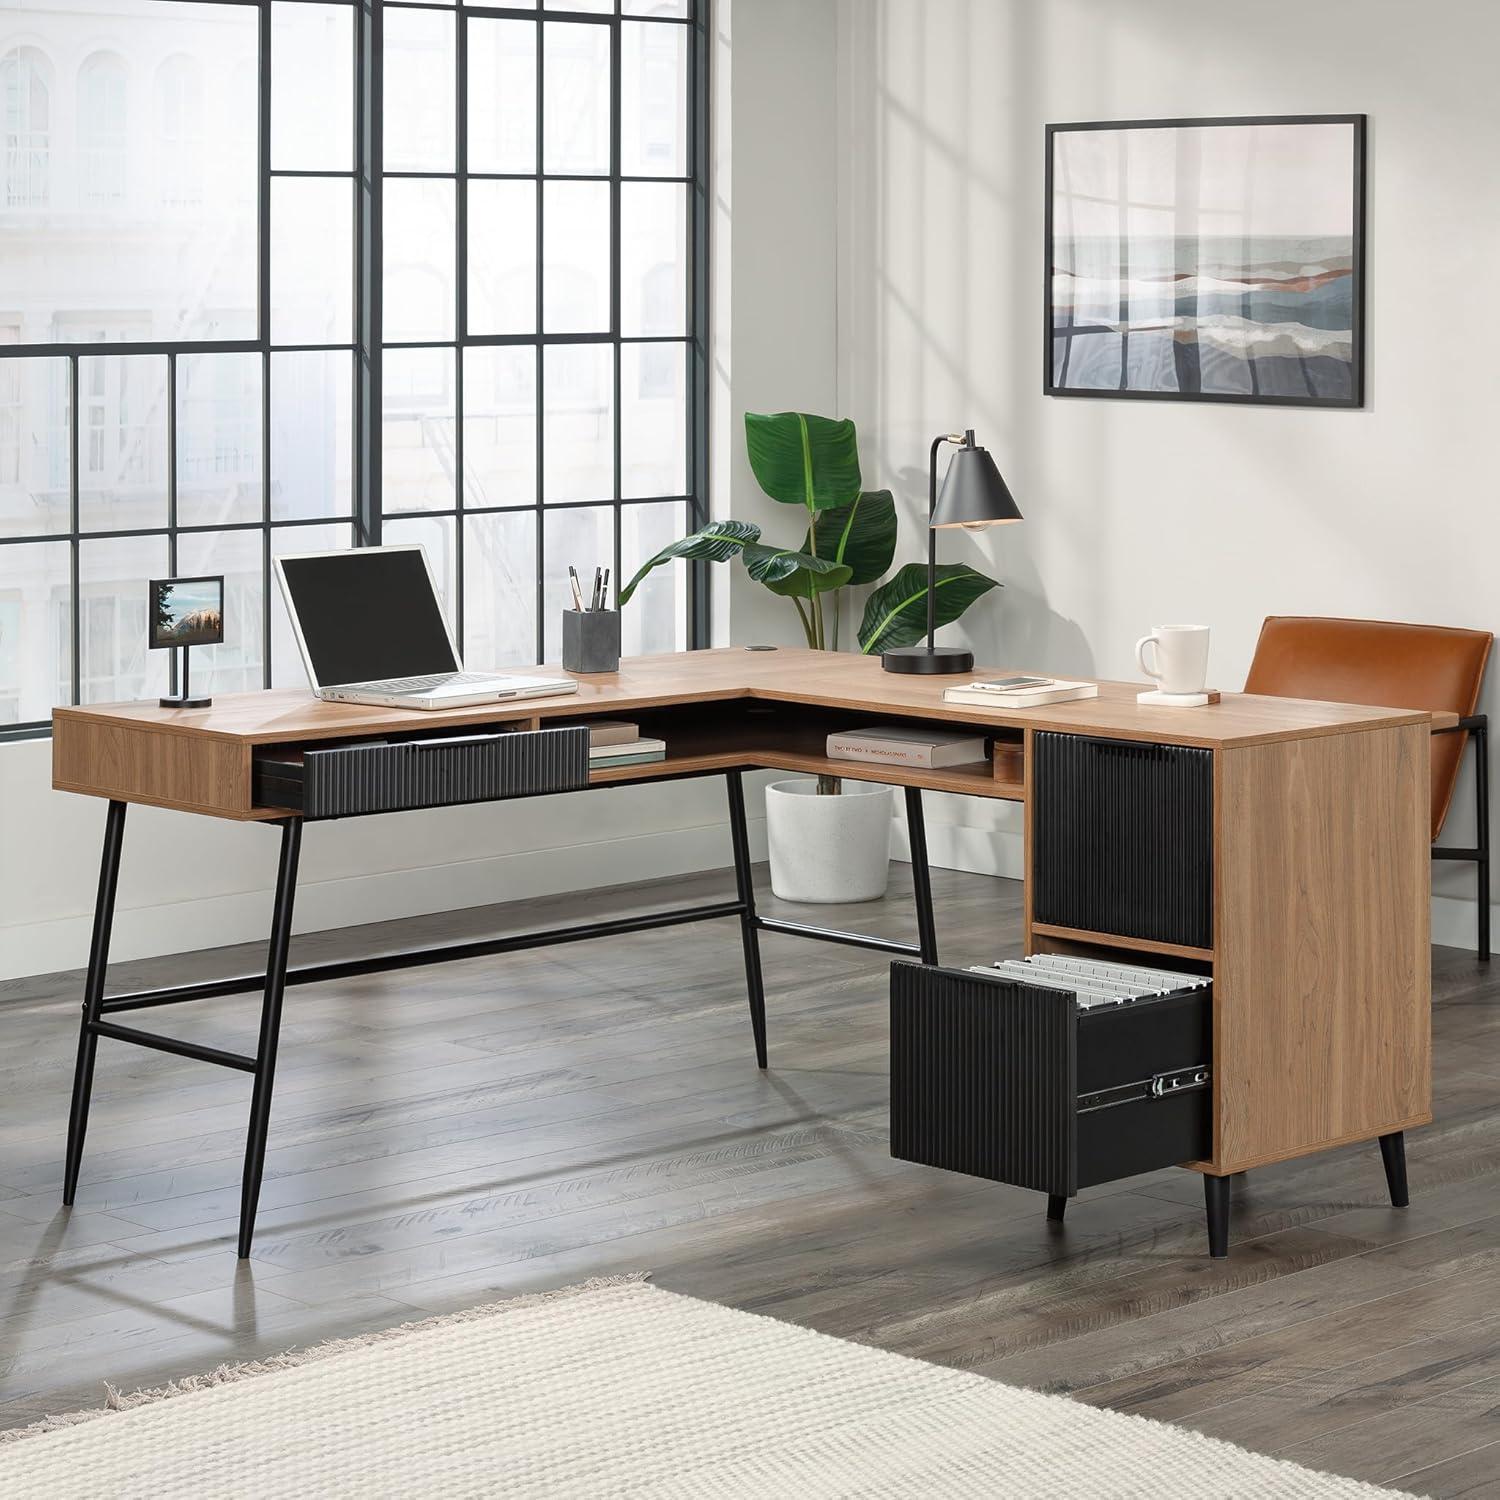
626 753
932 748
612 732
989 696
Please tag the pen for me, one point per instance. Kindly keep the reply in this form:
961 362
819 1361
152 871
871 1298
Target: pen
604 592
594 596
577 592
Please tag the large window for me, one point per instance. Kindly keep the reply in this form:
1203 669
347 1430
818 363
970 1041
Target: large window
284 275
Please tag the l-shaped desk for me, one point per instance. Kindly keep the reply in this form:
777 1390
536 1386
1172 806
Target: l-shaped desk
1277 848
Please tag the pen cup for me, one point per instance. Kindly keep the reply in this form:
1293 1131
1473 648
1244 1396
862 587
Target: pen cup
591 640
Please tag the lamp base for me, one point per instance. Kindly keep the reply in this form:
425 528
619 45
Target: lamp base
185 702
928 660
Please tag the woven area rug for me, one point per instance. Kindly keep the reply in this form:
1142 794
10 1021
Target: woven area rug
617 1388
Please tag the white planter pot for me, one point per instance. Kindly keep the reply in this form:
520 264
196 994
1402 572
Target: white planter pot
829 850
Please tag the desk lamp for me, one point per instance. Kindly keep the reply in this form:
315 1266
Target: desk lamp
974 496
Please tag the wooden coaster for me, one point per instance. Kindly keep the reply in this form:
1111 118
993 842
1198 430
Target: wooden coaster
1155 698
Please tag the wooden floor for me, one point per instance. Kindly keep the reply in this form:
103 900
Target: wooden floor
450 1135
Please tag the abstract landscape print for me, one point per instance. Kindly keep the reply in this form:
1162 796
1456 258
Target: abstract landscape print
1207 260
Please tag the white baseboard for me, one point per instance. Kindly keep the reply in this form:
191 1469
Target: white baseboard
142 932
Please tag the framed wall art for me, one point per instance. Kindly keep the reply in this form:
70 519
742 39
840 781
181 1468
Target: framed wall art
1207 260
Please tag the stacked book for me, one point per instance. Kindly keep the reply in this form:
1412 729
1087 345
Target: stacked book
617 742
894 745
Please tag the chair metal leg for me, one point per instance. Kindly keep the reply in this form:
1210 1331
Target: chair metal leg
1481 735
1393 1157
270 1030
921 875
1057 1206
749 931
93 995
1216 1202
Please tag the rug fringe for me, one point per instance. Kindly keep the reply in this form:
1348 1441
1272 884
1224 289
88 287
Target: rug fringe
118 1401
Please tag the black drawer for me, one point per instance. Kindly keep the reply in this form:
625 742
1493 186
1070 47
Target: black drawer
1016 1083
347 780
1122 838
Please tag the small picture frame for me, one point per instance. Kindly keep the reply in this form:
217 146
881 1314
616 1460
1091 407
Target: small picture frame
186 611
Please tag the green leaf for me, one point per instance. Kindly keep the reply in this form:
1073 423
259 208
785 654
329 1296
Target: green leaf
863 535
793 573
800 459
716 542
896 613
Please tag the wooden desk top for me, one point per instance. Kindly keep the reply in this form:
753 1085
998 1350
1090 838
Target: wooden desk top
825 679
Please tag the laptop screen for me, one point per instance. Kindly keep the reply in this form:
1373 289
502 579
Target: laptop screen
368 614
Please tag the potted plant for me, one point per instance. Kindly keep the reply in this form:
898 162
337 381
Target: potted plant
828 842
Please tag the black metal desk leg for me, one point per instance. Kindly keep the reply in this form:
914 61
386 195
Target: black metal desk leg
270 1029
749 933
1393 1157
93 994
921 876
1216 1203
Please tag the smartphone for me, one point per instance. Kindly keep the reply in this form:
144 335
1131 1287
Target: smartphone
1013 684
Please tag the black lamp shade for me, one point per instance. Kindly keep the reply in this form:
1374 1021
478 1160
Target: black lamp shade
974 494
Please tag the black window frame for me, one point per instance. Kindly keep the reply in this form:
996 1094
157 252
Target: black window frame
368 514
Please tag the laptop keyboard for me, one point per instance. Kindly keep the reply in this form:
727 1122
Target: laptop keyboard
435 680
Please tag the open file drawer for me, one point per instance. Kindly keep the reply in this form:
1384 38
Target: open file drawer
1018 1083
358 777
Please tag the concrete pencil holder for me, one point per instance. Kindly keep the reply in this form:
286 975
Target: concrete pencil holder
591 640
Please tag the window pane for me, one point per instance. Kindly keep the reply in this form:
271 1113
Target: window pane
162 140
233 666
436 535
500 591
312 87
115 663
656 617
286 660
122 442
418 103
418 462
653 100
653 419
419 269
597 7
312 443
656 8
576 106
502 257
579 425
33 446
575 247
218 439
502 95
499 426
583 536
36 624
653 258
312 260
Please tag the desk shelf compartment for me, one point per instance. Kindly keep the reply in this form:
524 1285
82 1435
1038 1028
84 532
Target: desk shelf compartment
1016 1083
1122 838
341 780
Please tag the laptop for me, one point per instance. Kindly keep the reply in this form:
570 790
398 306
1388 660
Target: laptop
370 630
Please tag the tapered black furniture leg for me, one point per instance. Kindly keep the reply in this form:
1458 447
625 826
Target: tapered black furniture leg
1057 1206
270 1029
1482 842
93 994
921 876
1393 1155
1216 1201
749 932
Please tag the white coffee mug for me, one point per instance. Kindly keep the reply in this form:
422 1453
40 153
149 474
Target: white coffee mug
1181 653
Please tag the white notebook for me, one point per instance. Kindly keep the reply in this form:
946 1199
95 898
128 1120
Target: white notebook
1051 690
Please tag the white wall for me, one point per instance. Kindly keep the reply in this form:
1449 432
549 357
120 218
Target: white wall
1142 511
189 882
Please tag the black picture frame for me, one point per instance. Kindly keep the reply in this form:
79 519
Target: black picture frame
200 636
1356 396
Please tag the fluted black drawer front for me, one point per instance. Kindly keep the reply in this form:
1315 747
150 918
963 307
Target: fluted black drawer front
1015 1083
1122 838
342 781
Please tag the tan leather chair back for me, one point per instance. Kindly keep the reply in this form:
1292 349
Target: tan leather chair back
1381 663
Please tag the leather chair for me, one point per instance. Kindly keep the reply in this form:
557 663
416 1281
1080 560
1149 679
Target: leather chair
1394 666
